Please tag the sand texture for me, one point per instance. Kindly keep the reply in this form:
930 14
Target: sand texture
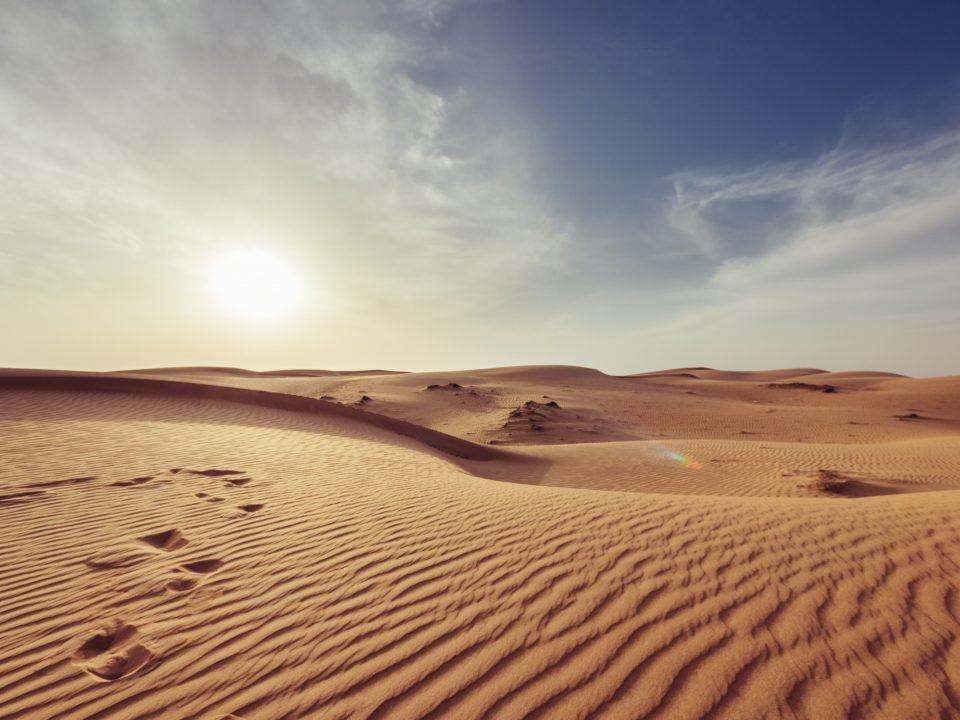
529 542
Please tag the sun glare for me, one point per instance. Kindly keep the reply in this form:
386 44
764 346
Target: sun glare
255 285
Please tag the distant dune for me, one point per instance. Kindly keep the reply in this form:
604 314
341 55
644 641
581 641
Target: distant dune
240 372
542 541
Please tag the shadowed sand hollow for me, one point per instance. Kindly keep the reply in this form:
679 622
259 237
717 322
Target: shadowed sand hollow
684 544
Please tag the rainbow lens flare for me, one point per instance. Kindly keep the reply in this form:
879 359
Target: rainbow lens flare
684 460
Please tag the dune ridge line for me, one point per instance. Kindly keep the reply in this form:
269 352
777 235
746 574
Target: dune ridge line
94 382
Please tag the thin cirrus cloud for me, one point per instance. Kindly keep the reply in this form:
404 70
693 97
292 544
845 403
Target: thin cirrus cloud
852 253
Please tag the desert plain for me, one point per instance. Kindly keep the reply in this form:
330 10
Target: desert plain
520 542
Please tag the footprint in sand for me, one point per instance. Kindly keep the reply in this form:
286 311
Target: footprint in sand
203 567
182 584
167 541
228 482
191 573
209 498
133 482
129 554
213 473
165 477
113 653
240 511
123 556
226 475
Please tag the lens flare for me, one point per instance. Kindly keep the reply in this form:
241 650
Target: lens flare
684 460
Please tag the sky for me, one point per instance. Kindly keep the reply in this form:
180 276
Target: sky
454 184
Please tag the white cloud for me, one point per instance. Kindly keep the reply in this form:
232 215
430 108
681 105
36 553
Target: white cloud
859 253
145 132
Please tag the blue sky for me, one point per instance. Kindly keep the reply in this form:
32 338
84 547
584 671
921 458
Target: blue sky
624 94
625 185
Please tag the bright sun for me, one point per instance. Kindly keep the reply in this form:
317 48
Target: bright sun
256 285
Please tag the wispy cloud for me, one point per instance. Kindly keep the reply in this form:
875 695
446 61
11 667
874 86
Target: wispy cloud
745 214
159 130
860 243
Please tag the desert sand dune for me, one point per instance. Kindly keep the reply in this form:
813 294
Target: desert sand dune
211 551
207 371
782 405
245 395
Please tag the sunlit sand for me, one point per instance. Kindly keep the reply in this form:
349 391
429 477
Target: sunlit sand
517 542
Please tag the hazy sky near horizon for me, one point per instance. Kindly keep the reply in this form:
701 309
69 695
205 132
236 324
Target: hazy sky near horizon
453 184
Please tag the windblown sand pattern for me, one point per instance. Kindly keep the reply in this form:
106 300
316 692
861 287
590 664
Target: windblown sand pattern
170 556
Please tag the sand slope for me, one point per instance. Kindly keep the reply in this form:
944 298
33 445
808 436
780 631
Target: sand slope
178 556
